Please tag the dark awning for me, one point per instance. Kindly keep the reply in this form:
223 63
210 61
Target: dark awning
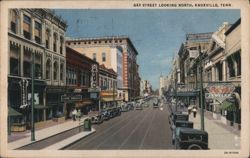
186 94
226 105
12 112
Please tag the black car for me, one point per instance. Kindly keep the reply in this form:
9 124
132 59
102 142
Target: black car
106 115
97 119
185 124
177 116
191 139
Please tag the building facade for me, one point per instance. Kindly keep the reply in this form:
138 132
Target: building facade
164 84
117 53
37 33
78 81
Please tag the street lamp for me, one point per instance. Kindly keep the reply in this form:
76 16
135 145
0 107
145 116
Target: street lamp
32 99
201 90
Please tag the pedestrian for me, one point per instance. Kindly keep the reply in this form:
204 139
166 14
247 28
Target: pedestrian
189 109
194 111
79 114
74 114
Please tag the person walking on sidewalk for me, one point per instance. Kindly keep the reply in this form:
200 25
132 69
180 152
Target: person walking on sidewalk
189 109
194 111
74 114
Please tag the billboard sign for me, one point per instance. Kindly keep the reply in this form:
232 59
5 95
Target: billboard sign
219 91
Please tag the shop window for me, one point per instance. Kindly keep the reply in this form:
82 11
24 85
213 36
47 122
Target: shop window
14 21
38 32
48 69
231 69
103 57
27 27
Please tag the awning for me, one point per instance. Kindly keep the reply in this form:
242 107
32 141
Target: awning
12 112
186 94
38 106
109 99
226 105
83 103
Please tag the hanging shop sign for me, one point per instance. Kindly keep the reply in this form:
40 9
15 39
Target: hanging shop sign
94 71
219 91
24 92
66 98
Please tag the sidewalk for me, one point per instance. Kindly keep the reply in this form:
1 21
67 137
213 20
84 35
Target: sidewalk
219 136
48 132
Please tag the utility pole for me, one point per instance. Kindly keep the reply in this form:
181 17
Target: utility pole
201 90
32 99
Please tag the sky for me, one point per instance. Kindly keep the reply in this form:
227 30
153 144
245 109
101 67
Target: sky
156 34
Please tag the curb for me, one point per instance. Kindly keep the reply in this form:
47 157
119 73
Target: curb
62 148
46 137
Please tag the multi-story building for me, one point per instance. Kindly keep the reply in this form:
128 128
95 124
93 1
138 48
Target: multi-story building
164 84
78 81
145 88
37 33
108 85
117 53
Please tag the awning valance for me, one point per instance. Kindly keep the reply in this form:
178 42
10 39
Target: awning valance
83 103
109 99
38 106
12 112
186 94
226 105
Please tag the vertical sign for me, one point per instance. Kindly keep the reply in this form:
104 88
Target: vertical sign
24 92
94 71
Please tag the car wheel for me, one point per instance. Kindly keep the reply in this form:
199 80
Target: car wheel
194 147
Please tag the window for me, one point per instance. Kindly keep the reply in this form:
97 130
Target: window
103 57
38 66
14 61
55 42
38 32
94 56
26 27
47 38
61 45
55 71
27 63
238 63
231 69
48 69
13 23
61 71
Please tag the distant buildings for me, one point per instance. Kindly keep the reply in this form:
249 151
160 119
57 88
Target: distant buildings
164 84
219 54
145 88
117 53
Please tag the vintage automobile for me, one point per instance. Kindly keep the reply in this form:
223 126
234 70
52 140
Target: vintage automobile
177 116
138 106
97 119
155 105
185 124
106 115
191 139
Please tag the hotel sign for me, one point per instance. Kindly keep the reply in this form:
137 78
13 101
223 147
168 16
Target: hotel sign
94 71
65 98
219 91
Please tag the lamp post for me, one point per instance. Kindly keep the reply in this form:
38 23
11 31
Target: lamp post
201 90
32 99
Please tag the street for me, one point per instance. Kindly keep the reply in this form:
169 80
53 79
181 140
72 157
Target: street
136 129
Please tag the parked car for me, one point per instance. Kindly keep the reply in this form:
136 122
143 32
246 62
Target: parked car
155 105
191 139
185 124
106 115
177 116
97 119
138 106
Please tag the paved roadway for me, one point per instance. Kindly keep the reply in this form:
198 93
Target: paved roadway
136 129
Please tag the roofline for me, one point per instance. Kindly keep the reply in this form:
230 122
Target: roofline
69 39
237 23
67 47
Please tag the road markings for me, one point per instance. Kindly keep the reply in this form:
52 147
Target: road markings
132 120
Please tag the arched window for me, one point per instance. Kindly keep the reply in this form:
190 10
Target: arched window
61 45
47 38
55 70
14 21
55 42
61 71
48 69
